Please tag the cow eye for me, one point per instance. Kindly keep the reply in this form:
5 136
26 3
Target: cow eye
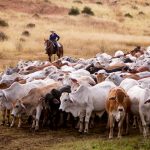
17 106
65 100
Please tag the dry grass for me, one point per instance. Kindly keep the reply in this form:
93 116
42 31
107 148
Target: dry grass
81 35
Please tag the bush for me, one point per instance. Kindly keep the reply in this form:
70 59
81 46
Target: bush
3 36
36 16
3 23
22 40
26 33
128 15
74 11
30 25
99 3
87 10
141 13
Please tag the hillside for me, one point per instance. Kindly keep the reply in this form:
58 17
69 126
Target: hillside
116 24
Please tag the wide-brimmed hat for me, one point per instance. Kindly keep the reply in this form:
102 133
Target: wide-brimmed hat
52 31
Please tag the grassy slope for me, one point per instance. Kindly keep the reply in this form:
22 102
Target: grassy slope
82 35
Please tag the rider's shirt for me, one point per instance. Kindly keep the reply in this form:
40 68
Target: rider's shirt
54 37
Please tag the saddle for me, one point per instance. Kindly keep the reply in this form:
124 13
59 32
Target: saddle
56 46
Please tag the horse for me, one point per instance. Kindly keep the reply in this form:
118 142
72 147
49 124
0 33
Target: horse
50 49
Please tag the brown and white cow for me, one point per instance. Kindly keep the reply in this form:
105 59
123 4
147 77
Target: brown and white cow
32 104
117 107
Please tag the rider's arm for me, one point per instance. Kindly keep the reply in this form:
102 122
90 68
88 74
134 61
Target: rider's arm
58 37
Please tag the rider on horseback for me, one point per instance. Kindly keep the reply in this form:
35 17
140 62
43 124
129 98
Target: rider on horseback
54 38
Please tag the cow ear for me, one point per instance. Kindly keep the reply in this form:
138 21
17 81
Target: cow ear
148 101
22 105
41 98
74 80
19 101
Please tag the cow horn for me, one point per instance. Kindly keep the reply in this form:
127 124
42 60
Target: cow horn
23 106
148 101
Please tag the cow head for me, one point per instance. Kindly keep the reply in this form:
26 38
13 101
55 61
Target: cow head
118 103
65 100
115 78
51 100
18 108
68 105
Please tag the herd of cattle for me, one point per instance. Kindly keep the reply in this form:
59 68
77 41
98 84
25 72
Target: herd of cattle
51 92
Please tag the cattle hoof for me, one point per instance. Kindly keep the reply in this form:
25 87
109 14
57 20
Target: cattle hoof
2 124
85 131
80 131
119 137
36 128
110 137
8 124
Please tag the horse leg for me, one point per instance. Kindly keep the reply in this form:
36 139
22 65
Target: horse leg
49 57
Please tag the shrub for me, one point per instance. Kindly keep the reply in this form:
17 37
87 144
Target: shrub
36 16
77 1
147 4
141 13
3 36
99 3
30 25
3 23
128 15
87 10
134 7
26 33
22 40
74 11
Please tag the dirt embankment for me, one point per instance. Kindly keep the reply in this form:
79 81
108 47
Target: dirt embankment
32 7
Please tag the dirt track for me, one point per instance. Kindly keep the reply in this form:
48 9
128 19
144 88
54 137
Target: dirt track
70 139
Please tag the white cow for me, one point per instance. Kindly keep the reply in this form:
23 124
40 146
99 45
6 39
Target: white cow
138 97
9 79
17 91
128 83
85 100
39 74
115 78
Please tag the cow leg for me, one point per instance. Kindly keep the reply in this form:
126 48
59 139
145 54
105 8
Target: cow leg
33 123
37 118
143 124
87 119
139 124
3 116
127 123
77 125
111 125
8 117
120 126
92 120
20 122
134 121
108 123
46 115
82 114
13 121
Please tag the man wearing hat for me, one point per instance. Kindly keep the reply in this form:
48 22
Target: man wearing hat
54 38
